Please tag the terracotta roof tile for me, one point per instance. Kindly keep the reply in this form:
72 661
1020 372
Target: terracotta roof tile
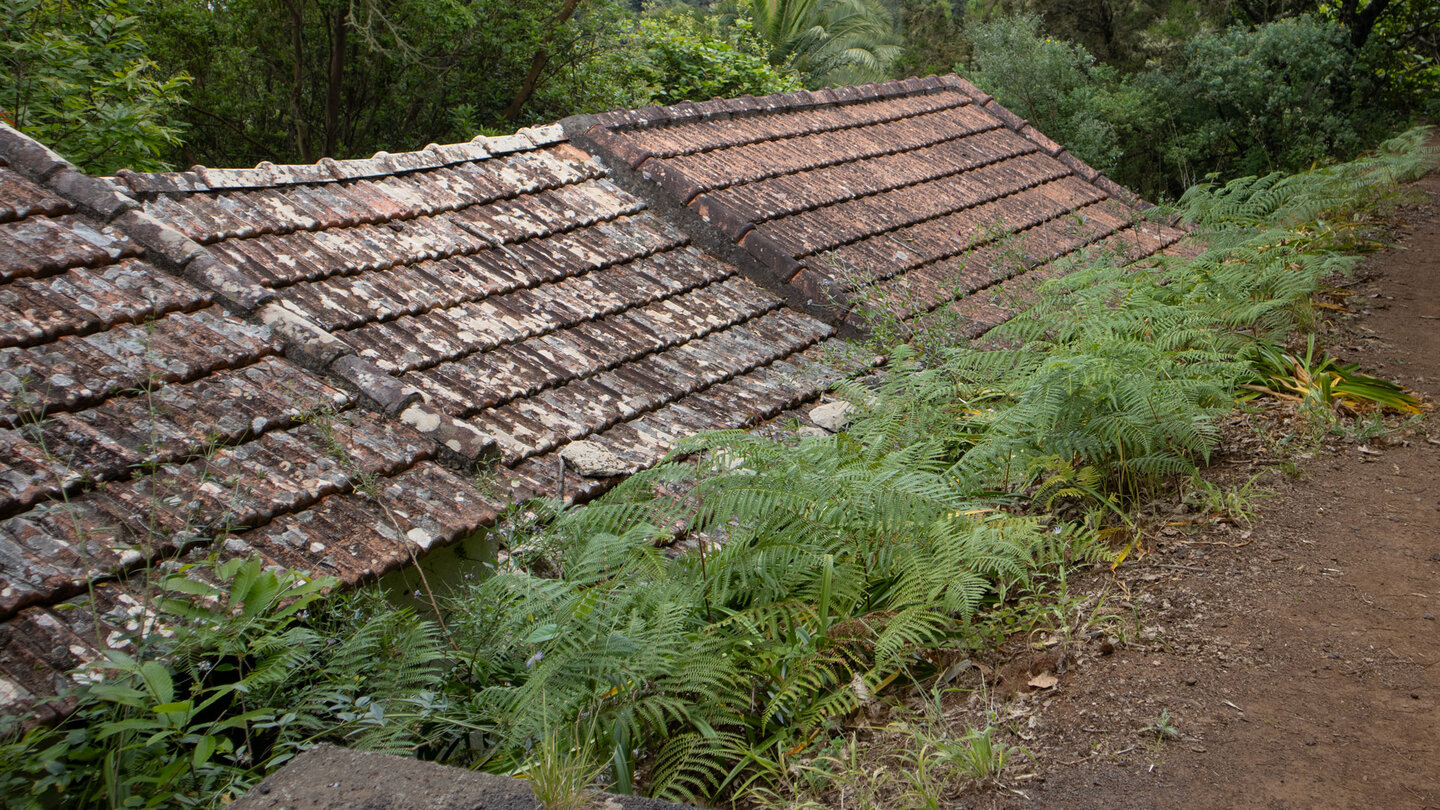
836 193
20 199
510 282
84 300
38 246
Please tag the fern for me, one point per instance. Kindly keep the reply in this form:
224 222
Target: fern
844 555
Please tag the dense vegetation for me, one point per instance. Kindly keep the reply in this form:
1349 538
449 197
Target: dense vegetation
822 569
971 479
1159 94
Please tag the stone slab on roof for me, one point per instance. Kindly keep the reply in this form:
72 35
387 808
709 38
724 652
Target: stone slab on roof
332 778
908 195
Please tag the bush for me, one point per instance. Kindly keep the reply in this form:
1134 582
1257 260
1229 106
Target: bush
1278 97
1056 85
1283 96
249 674
79 78
685 58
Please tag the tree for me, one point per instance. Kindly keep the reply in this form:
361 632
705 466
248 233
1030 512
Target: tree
683 57
1056 85
294 80
935 41
79 76
826 41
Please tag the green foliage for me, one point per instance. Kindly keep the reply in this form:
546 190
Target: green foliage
1335 207
839 560
979 755
562 771
331 77
687 58
79 77
1163 727
1056 85
1401 50
245 679
828 42
1320 385
934 37
1284 96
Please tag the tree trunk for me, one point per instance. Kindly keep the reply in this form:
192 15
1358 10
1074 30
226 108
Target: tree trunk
339 25
297 80
1361 21
537 63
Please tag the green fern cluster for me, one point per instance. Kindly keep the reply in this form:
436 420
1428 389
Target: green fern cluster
246 678
839 560
824 565
1312 199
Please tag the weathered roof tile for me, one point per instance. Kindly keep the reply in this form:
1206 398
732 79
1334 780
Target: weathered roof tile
510 281
864 186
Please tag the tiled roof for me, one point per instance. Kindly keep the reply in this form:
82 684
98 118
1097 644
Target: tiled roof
316 363
507 282
308 363
906 192
139 418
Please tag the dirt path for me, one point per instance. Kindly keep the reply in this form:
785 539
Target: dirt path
1301 670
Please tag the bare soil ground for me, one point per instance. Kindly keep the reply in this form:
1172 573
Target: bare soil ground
1298 659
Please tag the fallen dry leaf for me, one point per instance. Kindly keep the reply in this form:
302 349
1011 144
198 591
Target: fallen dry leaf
1044 681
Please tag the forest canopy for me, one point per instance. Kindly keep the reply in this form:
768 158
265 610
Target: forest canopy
1158 94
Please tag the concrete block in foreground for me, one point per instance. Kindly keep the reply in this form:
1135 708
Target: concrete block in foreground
331 778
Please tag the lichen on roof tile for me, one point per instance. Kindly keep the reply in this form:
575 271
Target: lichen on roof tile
507 290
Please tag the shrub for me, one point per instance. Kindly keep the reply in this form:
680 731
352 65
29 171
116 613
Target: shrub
1056 85
686 58
1279 97
79 78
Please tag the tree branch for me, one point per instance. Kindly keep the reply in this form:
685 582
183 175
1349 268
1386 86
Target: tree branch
238 130
537 63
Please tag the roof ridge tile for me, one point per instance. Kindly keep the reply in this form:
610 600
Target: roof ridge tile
772 255
734 224
955 82
672 180
329 170
28 156
743 104
1011 120
714 108
622 148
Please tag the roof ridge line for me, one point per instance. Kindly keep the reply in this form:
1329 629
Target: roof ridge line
329 170
1024 128
688 111
173 252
